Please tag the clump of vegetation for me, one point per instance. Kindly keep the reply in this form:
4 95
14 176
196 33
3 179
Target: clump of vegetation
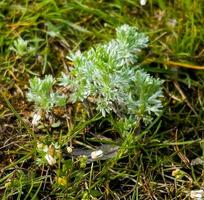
107 75
42 94
22 47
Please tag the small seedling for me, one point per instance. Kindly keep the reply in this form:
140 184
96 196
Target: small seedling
41 93
22 47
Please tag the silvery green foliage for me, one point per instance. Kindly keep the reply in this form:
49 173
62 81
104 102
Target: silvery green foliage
41 93
22 47
108 74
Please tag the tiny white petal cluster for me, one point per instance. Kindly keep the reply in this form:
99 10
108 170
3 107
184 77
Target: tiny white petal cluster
69 149
96 154
36 119
51 161
197 194
40 146
45 148
143 2
48 154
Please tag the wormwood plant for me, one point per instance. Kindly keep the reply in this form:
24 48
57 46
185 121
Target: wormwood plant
22 47
41 92
109 77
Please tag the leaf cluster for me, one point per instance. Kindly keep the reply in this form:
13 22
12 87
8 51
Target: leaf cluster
22 47
108 74
41 92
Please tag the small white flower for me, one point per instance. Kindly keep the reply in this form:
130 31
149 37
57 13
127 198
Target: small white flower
69 149
197 194
45 148
172 23
78 53
51 161
96 154
36 119
143 2
39 145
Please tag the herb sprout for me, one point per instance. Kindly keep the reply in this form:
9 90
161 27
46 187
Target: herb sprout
22 47
42 94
